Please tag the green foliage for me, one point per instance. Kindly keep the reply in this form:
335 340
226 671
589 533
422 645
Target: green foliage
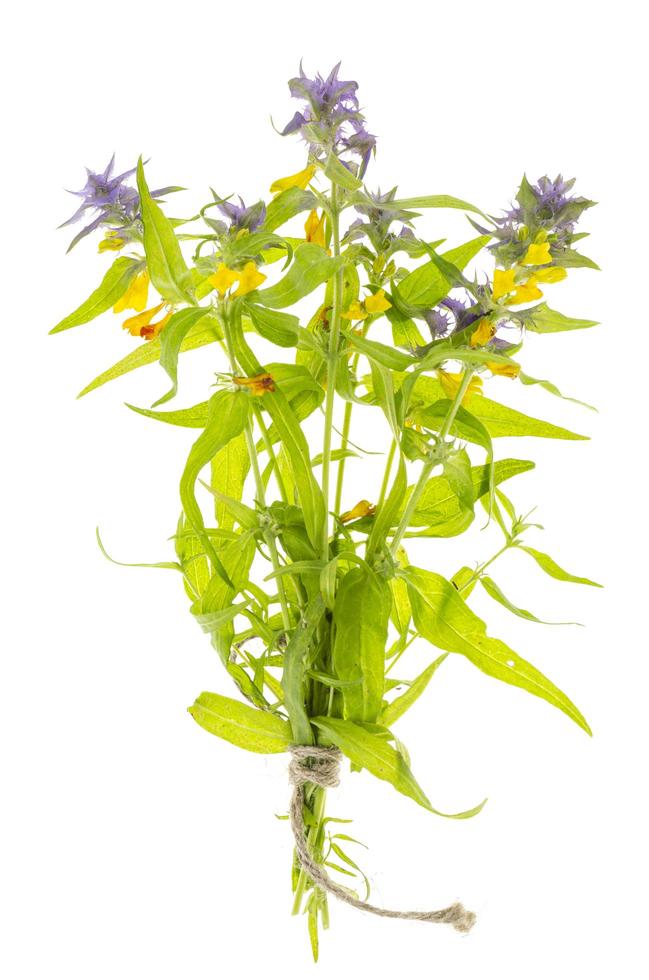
113 286
308 597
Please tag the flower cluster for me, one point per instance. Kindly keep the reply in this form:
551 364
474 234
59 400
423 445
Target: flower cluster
117 204
330 119
545 215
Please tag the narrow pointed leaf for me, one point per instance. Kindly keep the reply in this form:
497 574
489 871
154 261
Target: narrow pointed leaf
244 726
165 262
551 568
112 287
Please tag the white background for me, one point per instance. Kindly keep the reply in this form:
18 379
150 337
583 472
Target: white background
134 845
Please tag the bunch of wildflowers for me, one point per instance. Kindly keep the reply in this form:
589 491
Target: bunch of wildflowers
309 596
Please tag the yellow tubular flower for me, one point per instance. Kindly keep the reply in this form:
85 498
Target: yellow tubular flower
258 385
355 312
504 370
135 324
377 303
152 330
135 296
503 282
525 292
223 278
538 255
111 243
249 278
552 274
483 332
451 380
314 229
300 179
362 509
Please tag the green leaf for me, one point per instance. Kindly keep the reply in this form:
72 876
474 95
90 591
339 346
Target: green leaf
165 262
294 670
498 595
426 285
435 201
551 568
525 379
230 467
541 319
370 750
360 617
113 286
227 417
190 418
286 205
396 360
249 728
388 514
339 174
279 328
444 619
205 332
392 712
499 420
311 267
457 470
171 340
215 609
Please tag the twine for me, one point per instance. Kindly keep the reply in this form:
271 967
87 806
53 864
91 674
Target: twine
321 766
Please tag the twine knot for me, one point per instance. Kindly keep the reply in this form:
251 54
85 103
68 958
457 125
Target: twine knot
320 766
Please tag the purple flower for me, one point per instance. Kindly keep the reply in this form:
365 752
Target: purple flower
118 204
330 118
241 217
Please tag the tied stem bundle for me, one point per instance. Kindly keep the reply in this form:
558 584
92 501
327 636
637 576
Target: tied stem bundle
320 766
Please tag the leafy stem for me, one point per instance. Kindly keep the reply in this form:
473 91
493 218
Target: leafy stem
332 363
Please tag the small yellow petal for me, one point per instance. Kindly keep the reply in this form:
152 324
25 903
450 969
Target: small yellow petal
538 255
451 380
483 333
314 229
504 370
135 324
552 274
526 292
300 179
377 303
249 278
258 385
111 243
355 312
135 296
223 278
503 282
362 509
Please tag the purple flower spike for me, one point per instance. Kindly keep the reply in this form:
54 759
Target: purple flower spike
241 217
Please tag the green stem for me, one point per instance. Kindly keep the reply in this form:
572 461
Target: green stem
430 463
269 537
281 486
332 365
386 475
481 568
344 442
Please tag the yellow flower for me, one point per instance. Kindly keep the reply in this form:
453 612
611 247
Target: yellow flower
135 296
451 380
314 229
300 180
141 326
377 303
223 278
525 292
362 509
356 311
483 332
503 282
249 278
258 385
553 274
504 370
111 243
371 305
538 255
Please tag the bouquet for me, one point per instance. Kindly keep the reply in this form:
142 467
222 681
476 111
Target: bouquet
309 598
